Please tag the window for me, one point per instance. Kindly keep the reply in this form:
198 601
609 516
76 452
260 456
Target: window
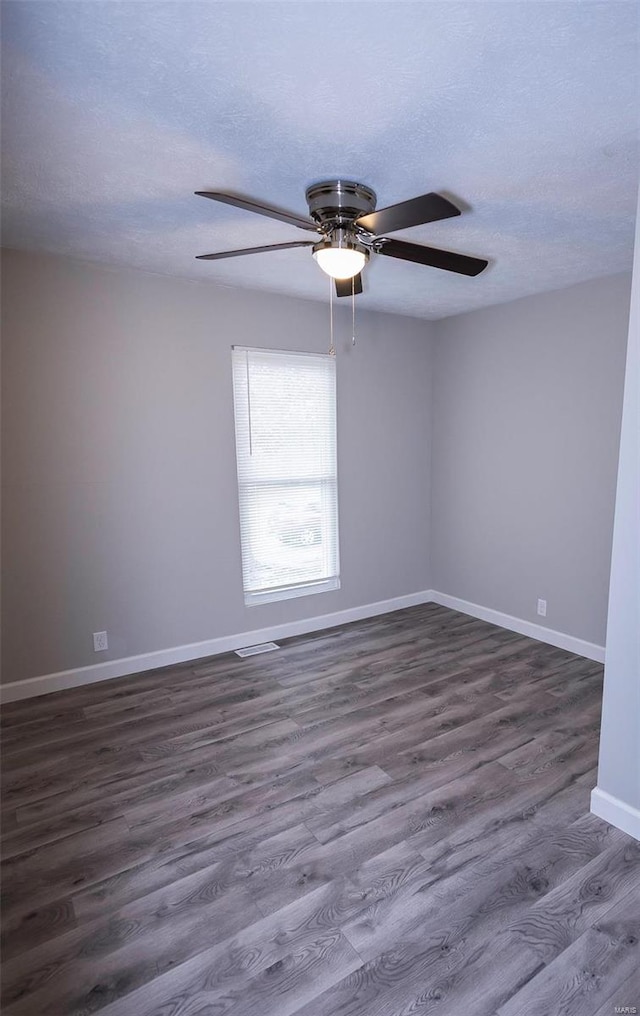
285 410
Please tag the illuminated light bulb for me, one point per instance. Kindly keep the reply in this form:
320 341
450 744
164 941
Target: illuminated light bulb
340 262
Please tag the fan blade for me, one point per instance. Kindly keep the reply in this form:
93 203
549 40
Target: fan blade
261 209
253 250
446 259
345 287
417 211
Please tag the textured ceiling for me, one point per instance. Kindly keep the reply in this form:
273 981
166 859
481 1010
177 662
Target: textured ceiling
524 112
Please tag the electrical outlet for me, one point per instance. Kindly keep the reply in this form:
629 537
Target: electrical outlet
542 608
100 641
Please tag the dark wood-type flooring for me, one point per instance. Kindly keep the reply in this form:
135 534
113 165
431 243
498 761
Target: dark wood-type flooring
385 819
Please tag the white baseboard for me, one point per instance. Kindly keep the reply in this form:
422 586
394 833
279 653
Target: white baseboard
127 665
32 686
616 812
533 631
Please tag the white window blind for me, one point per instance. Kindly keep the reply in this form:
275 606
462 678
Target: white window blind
285 413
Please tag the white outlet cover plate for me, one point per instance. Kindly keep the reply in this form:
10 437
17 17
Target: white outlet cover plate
100 641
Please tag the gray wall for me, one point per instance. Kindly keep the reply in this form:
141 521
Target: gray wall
619 767
526 417
120 502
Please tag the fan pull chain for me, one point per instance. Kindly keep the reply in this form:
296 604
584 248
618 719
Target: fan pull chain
332 348
353 310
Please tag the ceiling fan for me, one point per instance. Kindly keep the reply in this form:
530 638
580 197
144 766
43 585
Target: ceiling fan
344 214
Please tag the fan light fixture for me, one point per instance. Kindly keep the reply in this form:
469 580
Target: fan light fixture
340 262
344 213
339 257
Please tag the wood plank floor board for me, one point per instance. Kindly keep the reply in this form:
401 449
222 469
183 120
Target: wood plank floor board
340 703
300 794
470 947
545 751
44 728
407 802
623 998
433 812
34 927
61 867
389 818
164 724
21 839
492 725
161 726
552 680
484 895
290 983
8 821
464 847
506 963
229 967
437 663
138 788
455 818
553 922
441 717
27 784
261 945
245 848
579 979
89 857
137 689
139 943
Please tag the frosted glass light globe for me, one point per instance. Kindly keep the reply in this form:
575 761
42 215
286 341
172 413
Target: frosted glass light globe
340 262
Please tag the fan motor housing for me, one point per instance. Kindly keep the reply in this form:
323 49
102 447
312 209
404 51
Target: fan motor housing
335 202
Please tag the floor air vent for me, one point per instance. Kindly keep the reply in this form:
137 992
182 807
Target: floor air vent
264 647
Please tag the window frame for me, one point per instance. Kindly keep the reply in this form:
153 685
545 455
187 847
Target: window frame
330 516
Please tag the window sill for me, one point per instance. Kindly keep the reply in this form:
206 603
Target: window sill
290 592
